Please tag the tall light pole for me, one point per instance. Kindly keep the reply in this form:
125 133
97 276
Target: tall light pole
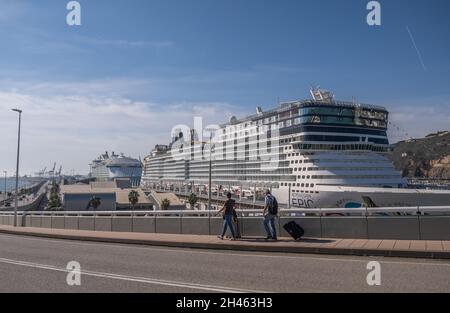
210 175
17 167
210 181
211 131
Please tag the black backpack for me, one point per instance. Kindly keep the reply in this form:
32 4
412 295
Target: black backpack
273 209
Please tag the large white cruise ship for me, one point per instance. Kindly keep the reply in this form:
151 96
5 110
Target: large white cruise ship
317 153
109 167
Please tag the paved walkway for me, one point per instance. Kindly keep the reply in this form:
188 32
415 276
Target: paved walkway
362 247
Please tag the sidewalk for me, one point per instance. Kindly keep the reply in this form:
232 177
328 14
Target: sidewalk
360 247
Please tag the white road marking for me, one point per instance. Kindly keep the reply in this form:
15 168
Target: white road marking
145 280
229 253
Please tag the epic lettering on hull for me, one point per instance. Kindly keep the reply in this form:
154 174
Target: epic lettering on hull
302 201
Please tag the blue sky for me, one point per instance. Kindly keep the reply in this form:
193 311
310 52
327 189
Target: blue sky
136 68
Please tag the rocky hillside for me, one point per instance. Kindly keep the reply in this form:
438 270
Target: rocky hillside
428 157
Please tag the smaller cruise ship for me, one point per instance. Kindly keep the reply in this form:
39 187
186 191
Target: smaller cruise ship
109 167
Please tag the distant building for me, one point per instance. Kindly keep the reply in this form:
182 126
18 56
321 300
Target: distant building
113 196
109 167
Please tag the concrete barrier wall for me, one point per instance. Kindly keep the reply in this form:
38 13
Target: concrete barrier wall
392 227
36 221
103 223
168 225
122 224
144 225
435 228
195 226
58 222
86 223
46 222
6 220
348 227
71 222
253 227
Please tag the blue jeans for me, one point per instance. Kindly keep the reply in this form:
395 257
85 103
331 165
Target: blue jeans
269 225
228 222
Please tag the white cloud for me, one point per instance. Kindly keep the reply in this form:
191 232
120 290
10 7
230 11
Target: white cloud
73 127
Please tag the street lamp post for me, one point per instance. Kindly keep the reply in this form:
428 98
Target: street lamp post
210 177
17 167
211 131
5 194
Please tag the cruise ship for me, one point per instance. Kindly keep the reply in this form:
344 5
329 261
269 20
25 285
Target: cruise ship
317 153
109 167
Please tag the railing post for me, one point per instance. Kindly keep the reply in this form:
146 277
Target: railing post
320 221
366 212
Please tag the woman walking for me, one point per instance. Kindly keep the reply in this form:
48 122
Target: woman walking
227 212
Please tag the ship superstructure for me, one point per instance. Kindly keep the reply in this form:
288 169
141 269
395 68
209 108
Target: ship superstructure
310 153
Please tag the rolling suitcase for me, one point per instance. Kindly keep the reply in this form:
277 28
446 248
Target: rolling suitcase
295 230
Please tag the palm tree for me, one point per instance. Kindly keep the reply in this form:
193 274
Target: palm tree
95 202
165 204
133 197
192 200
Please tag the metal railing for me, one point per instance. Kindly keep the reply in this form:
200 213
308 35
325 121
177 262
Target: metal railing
249 213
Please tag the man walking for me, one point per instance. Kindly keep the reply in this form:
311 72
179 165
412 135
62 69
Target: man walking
270 213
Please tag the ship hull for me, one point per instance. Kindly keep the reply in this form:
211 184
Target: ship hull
335 197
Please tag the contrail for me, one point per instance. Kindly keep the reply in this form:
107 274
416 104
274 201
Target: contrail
417 50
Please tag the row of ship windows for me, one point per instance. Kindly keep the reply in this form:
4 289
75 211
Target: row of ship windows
312 109
339 147
305 191
333 160
308 116
303 185
316 169
325 138
330 129
353 176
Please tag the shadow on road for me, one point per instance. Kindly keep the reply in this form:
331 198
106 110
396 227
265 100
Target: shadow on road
304 240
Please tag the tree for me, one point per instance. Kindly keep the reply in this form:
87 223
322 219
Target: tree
54 201
165 204
95 202
133 197
192 200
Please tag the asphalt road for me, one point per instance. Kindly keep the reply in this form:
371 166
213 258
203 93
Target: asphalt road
29 264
